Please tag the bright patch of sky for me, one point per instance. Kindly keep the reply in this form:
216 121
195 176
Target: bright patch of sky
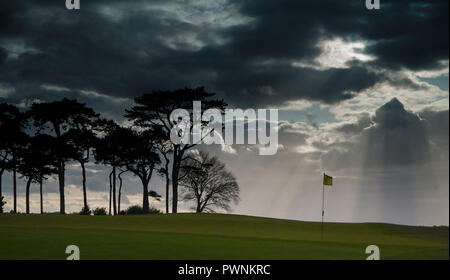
336 54
439 81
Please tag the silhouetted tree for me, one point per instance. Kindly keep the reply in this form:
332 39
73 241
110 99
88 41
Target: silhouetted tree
60 117
154 109
164 149
47 166
7 122
11 140
140 158
108 151
208 183
82 140
35 161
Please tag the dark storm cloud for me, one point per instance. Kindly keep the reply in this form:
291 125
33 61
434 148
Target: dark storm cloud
85 51
397 138
3 55
403 33
132 50
288 84
411 34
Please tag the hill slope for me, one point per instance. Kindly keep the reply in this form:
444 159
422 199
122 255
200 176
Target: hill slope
211 236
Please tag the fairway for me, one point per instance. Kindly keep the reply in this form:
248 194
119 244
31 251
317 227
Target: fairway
211 236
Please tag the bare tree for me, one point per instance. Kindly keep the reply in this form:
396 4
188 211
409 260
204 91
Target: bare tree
207 182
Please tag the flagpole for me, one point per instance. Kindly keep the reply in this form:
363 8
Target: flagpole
323 199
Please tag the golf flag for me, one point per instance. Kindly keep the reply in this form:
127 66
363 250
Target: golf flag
327 180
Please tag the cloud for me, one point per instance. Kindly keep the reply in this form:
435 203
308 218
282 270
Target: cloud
419 39
438 130
237 49
398 137
292 135
364 121
3 56
392 137
124 199
439 125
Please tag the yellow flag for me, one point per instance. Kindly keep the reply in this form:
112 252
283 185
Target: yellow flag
327 180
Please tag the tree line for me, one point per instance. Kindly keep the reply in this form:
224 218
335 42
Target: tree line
38 142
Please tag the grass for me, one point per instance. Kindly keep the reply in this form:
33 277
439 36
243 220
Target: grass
211 236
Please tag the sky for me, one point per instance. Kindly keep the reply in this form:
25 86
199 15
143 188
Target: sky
362 94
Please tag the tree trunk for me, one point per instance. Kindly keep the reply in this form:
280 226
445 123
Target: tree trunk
174 191
177 157
198 198
27 195
114 190
120 193
61 171
83 171
15 189
167 191
42 200
145 203
175 171
110 192
62 204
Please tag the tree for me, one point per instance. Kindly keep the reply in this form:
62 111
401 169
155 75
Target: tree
207 182
165 149
108 151
8 115
46 166
82 140
59 117
35 161
140 158
154 109
12 138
